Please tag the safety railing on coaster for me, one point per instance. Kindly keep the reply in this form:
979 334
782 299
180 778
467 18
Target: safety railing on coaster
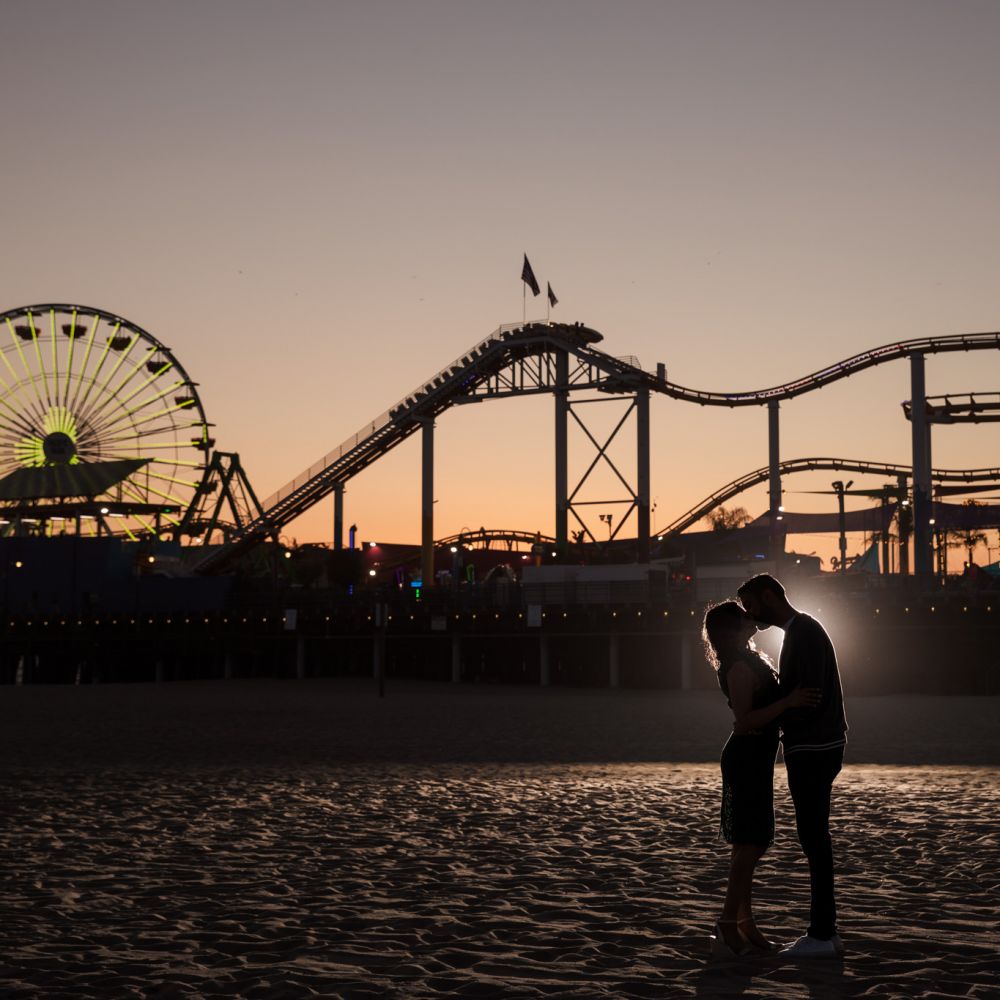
462 362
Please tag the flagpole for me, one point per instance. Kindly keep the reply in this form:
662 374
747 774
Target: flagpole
524 303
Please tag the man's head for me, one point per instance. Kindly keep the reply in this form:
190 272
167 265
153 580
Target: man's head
764 600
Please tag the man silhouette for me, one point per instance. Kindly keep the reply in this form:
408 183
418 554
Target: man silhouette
813 741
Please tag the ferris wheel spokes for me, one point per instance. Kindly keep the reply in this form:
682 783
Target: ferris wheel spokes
155 444
26 427
38 354
111 374
81 403
150 378
176 408
24 364
55 357
69 360
173 387
86 360
31 415
110 395
108 425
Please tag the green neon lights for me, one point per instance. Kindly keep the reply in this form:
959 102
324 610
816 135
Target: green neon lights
30 451
100 365
24 364
60 420
55 357
69 360
38 352
86 359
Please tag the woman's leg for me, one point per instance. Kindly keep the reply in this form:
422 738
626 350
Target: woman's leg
742 862
744 916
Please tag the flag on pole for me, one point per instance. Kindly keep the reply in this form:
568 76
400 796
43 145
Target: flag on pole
552 295
528 277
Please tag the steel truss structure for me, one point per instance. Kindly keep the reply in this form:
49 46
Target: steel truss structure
560 359
225 491
510 539
513 360
632 498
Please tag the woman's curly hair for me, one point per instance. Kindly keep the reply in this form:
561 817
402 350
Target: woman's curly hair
720 631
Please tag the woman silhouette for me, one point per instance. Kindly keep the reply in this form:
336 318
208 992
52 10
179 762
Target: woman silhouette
750 683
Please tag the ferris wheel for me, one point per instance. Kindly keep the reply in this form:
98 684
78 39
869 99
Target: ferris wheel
97 419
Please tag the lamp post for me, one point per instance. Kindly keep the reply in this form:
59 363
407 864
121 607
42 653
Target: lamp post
840 488
990 549
905 521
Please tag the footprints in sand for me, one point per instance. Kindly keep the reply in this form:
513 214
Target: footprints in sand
471 881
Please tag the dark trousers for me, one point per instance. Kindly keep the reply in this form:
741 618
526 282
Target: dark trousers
810 780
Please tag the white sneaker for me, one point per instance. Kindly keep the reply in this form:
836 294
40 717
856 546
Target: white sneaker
810 947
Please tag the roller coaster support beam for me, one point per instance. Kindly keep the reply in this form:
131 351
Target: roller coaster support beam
840 489
427 504
225 476
774 480
642 473
338 517
905 525
884 536
561 394
922 565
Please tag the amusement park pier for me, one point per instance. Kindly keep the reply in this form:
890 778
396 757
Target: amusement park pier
135 549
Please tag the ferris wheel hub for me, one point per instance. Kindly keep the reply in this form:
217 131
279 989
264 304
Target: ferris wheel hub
59 448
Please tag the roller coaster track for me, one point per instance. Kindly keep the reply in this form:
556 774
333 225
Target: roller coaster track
455 383
843 369
485 538
758 476
520 360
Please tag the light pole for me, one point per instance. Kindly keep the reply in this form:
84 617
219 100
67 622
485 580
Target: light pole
990 549
840 488
607 518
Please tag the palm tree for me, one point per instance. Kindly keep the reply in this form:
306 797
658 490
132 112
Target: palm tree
723 519
966 538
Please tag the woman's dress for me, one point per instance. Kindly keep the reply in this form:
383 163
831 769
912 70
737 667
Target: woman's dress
748 768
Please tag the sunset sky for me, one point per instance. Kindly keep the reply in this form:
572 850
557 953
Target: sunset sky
318 205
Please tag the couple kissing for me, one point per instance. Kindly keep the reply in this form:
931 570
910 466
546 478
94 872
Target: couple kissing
801 705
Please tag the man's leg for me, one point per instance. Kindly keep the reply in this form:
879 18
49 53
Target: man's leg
810 780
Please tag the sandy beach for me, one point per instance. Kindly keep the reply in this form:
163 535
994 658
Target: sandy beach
263 839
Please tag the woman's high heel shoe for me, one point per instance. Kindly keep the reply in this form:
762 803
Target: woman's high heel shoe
721 948
767 948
